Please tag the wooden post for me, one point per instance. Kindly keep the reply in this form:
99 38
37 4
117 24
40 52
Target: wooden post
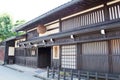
119 77
53 72
64 74
106 76
58 74
96 76
48 71
71 74
78 75
88 76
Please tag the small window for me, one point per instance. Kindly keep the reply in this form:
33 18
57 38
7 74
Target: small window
55 52
11 51
33 53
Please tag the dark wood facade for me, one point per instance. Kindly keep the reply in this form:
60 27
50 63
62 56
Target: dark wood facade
88 40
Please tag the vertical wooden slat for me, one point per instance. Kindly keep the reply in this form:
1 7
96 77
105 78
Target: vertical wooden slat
115 49
118 10
95 53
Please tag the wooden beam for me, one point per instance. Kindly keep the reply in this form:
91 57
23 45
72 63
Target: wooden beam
87 29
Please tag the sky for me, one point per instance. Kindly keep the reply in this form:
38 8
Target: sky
28 9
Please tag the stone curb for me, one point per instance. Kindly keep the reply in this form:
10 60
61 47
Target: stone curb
44 78
13 68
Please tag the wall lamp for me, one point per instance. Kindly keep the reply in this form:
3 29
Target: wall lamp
24 45
102 31
30 43
44 41
51 40
72 37
35 45
19 45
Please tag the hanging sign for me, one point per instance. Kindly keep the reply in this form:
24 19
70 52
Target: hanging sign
41 29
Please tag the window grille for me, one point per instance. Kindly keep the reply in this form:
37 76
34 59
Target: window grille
68 56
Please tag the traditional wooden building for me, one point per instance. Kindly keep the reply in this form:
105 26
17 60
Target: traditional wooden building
81 34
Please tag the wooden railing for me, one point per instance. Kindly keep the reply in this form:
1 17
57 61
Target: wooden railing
67 74
114 11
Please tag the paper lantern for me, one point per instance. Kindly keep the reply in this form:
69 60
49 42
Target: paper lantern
41 29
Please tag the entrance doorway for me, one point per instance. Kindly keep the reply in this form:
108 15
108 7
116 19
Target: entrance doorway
44 57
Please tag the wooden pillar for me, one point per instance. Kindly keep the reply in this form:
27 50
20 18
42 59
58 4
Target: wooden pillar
52 65
106 12
25 52
60 25
6 53
37 57
110 63
60 52
79 56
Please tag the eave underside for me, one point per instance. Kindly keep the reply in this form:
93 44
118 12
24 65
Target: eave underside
62 11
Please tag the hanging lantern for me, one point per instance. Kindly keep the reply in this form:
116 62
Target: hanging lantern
41 29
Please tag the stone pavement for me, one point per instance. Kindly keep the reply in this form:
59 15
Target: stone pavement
10 74
36 72
40 73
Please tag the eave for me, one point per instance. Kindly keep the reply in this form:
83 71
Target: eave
64 10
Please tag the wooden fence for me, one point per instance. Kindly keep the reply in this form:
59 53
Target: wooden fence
67 74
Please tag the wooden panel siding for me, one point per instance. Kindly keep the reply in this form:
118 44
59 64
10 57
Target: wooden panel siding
94 48
94 56
115 48
32 34
20 60
51 29
102 14
31 61
20 56
92 17
25 57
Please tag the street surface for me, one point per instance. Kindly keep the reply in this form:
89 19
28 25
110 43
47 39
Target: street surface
9 74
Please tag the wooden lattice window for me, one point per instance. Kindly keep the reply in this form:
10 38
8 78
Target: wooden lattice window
68 56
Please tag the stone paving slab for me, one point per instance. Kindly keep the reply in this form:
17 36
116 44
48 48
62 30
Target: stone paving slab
40 73
12 74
